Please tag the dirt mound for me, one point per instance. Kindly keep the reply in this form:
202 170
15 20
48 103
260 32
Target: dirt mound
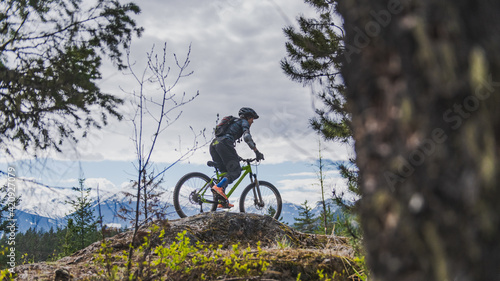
284 248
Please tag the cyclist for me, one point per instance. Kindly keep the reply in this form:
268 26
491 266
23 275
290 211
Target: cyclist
223 152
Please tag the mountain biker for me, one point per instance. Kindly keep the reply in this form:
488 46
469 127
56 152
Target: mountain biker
223 152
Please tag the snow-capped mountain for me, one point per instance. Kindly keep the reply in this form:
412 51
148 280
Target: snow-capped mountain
53 202
43 207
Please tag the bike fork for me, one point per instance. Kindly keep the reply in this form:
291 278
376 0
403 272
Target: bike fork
256 191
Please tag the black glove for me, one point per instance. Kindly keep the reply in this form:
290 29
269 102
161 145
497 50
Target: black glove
259 155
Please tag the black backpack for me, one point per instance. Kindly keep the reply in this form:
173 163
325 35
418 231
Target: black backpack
224 124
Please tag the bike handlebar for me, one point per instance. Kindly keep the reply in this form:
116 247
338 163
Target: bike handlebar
248 160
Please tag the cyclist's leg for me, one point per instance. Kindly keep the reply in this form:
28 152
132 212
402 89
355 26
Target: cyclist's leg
216 157
225 150
230 159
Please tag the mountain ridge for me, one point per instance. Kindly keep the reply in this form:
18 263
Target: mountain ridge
110 209
43 207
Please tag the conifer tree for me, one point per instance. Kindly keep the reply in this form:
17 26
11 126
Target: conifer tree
50 58
271 211
82 224
38 245
326 218
315 55
69 239
306 222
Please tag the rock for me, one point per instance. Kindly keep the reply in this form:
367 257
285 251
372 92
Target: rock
62 274
225 228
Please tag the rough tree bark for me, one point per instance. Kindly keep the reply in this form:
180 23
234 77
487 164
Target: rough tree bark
423 82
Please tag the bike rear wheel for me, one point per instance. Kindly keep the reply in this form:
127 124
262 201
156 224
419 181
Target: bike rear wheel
271 200
193 195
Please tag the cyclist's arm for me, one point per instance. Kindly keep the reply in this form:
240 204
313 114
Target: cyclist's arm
248 139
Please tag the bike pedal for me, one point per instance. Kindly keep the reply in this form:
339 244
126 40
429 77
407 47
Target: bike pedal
225 205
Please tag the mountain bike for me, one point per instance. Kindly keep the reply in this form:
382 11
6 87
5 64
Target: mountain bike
193 193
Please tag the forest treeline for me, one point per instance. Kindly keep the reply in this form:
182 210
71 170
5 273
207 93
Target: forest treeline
37 245
82 229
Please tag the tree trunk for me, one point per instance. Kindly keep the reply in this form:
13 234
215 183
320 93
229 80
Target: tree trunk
423 82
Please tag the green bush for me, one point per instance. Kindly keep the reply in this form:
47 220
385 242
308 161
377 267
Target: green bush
181 259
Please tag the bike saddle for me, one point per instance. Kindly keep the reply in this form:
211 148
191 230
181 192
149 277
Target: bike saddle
211 164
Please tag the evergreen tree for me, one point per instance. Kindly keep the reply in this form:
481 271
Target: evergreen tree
326 217
271 211
50 58
29 245
36 245
315 54
69 239
51 244
306 222
82 224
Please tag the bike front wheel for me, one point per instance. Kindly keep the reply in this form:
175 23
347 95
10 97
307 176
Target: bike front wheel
270 204
193 195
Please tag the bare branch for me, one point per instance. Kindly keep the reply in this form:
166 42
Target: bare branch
156 111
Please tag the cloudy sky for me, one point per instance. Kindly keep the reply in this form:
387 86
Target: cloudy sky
235 52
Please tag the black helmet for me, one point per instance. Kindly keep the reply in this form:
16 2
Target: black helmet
247 112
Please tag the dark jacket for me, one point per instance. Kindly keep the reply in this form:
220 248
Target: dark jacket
240 128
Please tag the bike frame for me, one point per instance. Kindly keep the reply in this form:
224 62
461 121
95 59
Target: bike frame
247 169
